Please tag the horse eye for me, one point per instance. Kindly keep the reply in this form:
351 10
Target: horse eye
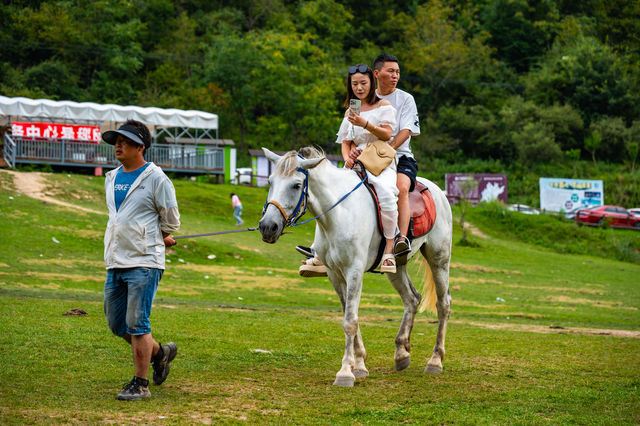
296 186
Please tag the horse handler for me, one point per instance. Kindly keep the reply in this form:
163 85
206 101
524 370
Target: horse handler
143 212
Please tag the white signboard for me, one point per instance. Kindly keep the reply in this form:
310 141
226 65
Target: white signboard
568 195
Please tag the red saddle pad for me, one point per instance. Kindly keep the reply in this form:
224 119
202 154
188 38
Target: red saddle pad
423 211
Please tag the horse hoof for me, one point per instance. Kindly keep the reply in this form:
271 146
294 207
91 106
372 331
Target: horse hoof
401 364
344 381
359 373
437 369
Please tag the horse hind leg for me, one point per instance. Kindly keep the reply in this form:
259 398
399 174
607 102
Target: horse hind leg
439 264
410 300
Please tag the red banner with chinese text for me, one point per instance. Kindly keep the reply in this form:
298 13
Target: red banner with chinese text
79 132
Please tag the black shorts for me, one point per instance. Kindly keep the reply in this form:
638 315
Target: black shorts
408 166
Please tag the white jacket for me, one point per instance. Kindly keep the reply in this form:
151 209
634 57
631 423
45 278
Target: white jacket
134 233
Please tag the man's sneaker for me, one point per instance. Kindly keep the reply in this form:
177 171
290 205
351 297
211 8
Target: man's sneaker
161 362
306 251
136 389
401 249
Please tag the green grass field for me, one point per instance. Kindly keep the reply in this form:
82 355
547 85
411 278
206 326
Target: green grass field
536 335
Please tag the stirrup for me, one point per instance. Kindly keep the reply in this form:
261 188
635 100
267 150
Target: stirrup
306 251
401 249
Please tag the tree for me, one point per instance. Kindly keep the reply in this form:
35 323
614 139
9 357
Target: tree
521 30
281 88
592 143
589 76
467 187
536 144
632 142
435 51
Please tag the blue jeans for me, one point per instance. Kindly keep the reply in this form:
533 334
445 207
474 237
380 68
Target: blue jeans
128 296
237 212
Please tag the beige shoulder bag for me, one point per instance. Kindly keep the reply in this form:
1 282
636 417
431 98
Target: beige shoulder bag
377 156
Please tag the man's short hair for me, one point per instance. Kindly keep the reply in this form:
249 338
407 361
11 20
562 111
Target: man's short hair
381 59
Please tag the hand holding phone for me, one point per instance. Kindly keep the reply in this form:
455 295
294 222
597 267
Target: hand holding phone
354 104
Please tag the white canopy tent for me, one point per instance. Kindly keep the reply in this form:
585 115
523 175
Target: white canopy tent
167 126
89 111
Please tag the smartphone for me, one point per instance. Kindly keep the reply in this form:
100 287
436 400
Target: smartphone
354 104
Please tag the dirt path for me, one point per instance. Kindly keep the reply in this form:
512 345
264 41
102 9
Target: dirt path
33 185
554 330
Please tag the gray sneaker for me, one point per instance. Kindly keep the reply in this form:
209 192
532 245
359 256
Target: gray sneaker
161 365
136 389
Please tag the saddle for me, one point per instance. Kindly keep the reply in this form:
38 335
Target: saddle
423 213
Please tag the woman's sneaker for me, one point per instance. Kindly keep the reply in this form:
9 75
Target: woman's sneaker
136 389
313 267
161 362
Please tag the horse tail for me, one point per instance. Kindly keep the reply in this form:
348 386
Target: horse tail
429 296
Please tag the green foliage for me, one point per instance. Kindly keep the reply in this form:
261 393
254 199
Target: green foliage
278 90
587 74
557 233
520 30
483 72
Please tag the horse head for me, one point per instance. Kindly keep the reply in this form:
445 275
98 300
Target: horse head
287 198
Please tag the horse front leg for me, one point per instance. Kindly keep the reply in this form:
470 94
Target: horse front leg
440 269
410 301
354 352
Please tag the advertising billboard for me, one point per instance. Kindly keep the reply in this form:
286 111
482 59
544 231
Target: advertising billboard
569 195
476 187
56 131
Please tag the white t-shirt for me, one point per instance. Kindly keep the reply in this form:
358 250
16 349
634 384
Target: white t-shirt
381 116
406 117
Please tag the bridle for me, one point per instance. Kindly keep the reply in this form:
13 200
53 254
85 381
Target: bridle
301 207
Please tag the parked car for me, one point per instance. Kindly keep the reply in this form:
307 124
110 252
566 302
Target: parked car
243 175
635 210
522 208
614 216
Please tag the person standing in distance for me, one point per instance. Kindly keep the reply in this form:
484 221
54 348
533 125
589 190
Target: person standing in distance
387 73
237 208
143 213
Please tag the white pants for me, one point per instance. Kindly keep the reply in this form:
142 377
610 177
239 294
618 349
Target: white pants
387 190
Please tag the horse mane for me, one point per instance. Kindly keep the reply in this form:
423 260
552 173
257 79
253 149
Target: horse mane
288 164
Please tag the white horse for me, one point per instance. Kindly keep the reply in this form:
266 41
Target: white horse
347 240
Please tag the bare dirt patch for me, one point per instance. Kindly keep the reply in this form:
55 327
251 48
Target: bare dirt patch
65 263
597 303
473 280
475 231
34 185
480 268
549 330
51 276
558 289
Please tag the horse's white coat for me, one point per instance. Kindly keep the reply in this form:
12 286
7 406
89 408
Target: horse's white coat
347 241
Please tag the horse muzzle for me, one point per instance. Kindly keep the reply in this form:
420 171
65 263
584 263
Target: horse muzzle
270 229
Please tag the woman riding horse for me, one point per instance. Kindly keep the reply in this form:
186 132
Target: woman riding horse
374 121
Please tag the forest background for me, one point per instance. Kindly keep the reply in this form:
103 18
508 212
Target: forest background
526 87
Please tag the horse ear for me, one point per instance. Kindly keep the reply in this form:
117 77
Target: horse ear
310 163
274 158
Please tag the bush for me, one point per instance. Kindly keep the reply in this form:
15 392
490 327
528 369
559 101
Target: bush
557 233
